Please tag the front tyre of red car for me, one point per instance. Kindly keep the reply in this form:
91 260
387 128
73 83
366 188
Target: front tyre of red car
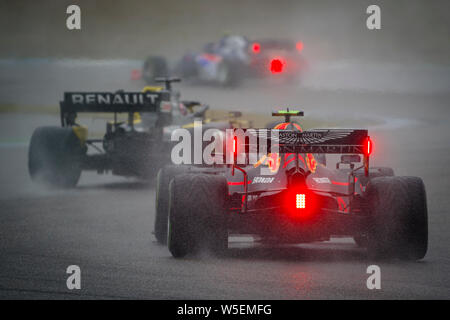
398 218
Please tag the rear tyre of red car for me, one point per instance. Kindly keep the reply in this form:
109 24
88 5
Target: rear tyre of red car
398 216
197 219
374 172
165 175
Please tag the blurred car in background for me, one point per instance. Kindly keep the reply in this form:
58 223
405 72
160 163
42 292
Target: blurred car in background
276 57
232 59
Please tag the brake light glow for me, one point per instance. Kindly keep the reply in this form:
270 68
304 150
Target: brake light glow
276 66
234 145
256 47
300 201
368 146
299 46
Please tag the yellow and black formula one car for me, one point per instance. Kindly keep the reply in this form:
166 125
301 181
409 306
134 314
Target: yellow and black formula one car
138 146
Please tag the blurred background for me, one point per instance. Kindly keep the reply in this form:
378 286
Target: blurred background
412 30
410 53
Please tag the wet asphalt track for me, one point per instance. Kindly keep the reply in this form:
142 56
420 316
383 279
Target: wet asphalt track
105 225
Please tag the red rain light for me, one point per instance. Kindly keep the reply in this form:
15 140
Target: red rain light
300 201
256 47
276 66
235 145
301 204
299 46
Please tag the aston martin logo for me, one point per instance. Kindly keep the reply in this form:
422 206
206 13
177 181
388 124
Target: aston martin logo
312 137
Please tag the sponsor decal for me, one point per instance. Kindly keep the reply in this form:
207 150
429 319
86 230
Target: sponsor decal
107 98
322 180
312 137
263 180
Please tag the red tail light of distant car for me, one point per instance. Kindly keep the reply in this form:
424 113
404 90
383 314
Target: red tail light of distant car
276 65
256 47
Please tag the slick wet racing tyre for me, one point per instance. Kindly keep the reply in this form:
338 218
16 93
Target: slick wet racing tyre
374 172
228 74
197 219
165 175
54 157
398 226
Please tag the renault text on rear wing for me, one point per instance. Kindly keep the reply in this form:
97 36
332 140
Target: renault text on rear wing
112 101
115 102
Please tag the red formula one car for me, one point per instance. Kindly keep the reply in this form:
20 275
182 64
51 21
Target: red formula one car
290 194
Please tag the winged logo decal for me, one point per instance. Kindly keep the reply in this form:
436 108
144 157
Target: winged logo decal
313 136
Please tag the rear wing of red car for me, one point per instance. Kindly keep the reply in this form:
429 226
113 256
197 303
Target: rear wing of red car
338 141
351 141
115 102
326 141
